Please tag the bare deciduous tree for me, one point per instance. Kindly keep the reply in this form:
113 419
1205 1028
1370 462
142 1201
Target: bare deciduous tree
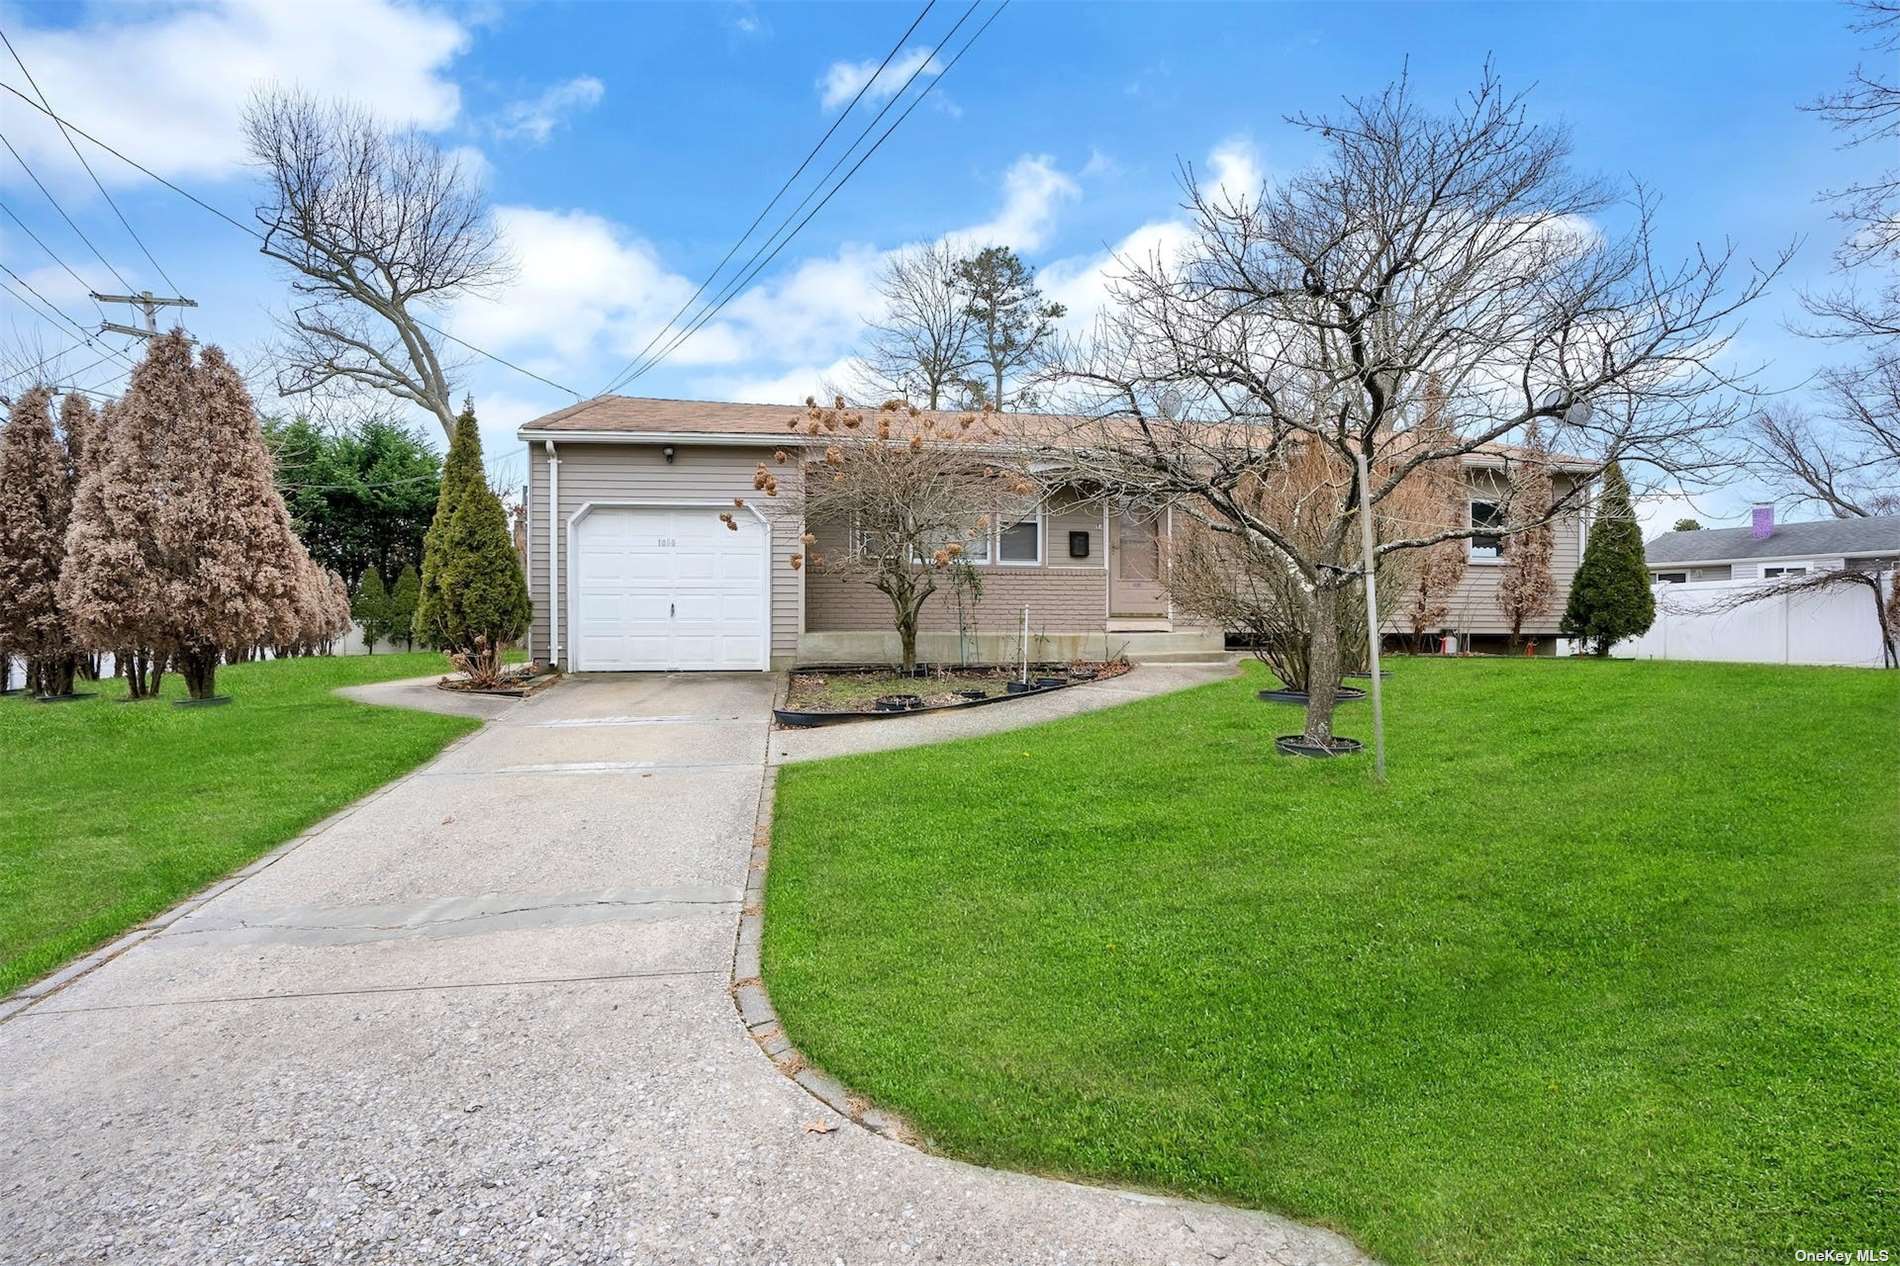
1453 248
378 227
1844 456
912 491
1867 113
920 350
1846 462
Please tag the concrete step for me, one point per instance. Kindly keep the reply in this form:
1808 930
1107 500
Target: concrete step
1184 657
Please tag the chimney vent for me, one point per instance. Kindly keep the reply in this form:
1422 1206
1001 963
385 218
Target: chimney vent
1762 523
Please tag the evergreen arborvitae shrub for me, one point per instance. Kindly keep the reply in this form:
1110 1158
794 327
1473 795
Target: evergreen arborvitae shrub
462 476
1610 597
474 599
402 607
370 608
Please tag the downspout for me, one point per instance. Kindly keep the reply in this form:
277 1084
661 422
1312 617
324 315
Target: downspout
554 553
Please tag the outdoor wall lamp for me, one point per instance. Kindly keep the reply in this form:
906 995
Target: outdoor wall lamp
667 452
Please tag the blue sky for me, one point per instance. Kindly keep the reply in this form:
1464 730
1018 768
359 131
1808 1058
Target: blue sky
626 146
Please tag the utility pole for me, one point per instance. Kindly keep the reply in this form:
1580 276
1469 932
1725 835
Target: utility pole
148 303
1367 543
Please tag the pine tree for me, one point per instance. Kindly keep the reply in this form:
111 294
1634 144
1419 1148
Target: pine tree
1013 323
462 476
36 500
370 608
1610 597
402 607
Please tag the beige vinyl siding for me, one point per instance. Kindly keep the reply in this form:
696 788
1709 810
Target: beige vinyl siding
1064 595
1474 604
637 473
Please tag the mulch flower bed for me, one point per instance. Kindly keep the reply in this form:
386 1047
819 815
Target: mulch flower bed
850 693
516 683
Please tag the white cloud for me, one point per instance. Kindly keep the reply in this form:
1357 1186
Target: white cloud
842 79
1082 283
790 387
1034 190
167 85
534 120
590 295
1235 167
583 286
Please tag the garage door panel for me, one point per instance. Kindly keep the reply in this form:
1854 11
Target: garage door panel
661 588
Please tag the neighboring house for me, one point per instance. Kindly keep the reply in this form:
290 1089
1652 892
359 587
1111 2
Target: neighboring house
631 569
1766 550
1733 594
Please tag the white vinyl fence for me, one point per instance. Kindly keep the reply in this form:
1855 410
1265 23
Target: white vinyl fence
1832 626
14 674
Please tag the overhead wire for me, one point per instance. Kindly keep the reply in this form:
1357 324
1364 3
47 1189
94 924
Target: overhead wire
97 184
246 228
788 182
732 289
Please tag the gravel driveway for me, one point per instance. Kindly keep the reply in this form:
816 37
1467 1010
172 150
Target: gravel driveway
485 1017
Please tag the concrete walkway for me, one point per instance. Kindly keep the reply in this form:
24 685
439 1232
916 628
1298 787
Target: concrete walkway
485 1017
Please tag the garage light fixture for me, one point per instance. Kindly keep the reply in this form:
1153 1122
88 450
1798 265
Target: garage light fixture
667 452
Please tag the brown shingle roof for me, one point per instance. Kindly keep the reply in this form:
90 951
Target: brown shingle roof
637 415
645 415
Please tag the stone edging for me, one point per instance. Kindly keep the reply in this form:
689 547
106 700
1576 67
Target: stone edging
46 986
748 984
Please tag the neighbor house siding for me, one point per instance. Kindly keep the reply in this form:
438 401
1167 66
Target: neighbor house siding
1063 595
634 473
1474 604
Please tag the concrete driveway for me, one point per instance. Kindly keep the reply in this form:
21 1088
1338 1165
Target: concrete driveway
485 1017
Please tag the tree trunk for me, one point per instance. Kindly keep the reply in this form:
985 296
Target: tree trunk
907 638
200 669
1322 667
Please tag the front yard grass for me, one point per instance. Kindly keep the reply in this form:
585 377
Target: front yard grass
110 812
1610 972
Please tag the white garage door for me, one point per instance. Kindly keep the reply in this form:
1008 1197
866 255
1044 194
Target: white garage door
659 588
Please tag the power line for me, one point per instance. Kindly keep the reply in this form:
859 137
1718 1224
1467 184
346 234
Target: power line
83 284
637 369
789 181
97 254
245 228
56 311
67 350
734 288
88 166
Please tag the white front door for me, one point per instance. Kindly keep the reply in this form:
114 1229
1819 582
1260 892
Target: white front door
658 588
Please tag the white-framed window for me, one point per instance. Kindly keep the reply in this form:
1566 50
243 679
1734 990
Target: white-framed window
1486 547
1019 544
1779 570
1672 577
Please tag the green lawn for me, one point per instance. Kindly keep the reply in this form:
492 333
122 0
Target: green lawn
1610 972
111 811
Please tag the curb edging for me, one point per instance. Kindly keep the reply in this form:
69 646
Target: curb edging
747 989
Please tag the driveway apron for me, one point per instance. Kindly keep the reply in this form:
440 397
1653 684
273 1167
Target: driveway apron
486 1017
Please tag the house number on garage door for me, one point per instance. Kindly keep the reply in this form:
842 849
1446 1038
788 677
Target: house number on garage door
667 542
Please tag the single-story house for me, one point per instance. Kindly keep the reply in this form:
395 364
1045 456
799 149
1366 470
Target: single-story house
1766 550
631 568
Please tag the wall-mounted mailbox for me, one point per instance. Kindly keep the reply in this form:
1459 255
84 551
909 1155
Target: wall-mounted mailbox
1078 545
